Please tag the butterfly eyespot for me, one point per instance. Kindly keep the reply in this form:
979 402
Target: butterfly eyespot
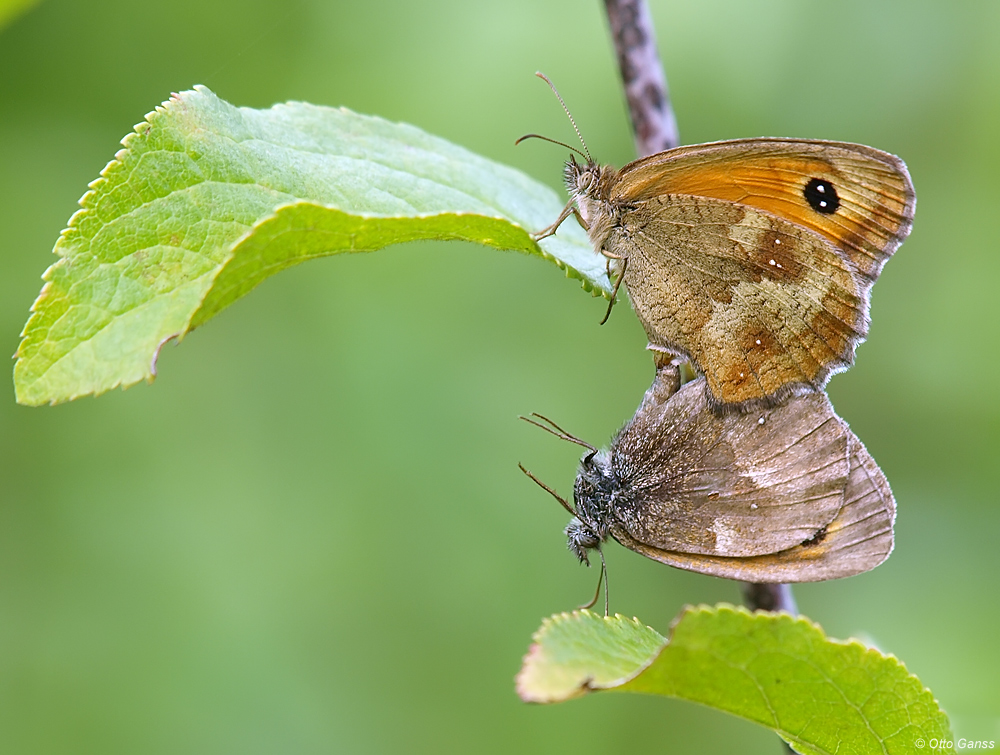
821 196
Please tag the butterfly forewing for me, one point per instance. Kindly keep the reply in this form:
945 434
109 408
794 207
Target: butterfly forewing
872 189
732 485
799 498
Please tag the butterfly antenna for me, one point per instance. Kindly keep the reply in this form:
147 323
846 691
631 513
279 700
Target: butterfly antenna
554 494
569 115
547 139
558 431
603 575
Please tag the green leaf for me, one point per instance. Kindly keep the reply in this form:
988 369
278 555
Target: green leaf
575 653
819 695
207 200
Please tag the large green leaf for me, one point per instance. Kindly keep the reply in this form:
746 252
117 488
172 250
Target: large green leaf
820 695
207 200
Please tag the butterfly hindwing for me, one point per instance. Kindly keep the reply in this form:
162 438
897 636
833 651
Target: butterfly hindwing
761 306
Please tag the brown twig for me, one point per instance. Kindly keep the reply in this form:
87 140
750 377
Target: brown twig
655 128
653 121
765 597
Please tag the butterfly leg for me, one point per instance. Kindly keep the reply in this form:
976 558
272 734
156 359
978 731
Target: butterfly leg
602 576
618 283
569 209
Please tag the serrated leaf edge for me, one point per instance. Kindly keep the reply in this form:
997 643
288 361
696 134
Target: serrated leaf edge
586 685
176 100
704 609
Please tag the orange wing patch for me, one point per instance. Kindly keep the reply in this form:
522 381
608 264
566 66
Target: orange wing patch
873 193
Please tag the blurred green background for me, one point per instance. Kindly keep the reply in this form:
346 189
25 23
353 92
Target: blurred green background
310 535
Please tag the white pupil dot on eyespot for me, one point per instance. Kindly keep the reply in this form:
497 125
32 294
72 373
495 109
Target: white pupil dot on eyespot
760 421
822 204
777 241
770 262
758 342
821 188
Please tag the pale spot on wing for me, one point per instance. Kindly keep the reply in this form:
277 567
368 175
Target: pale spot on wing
726 536
765 477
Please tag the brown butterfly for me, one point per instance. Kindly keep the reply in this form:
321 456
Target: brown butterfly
786 494
754 259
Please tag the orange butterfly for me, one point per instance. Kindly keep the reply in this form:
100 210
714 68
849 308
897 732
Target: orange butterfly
754 259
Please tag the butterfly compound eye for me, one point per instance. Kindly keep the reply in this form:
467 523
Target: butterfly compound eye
821 196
